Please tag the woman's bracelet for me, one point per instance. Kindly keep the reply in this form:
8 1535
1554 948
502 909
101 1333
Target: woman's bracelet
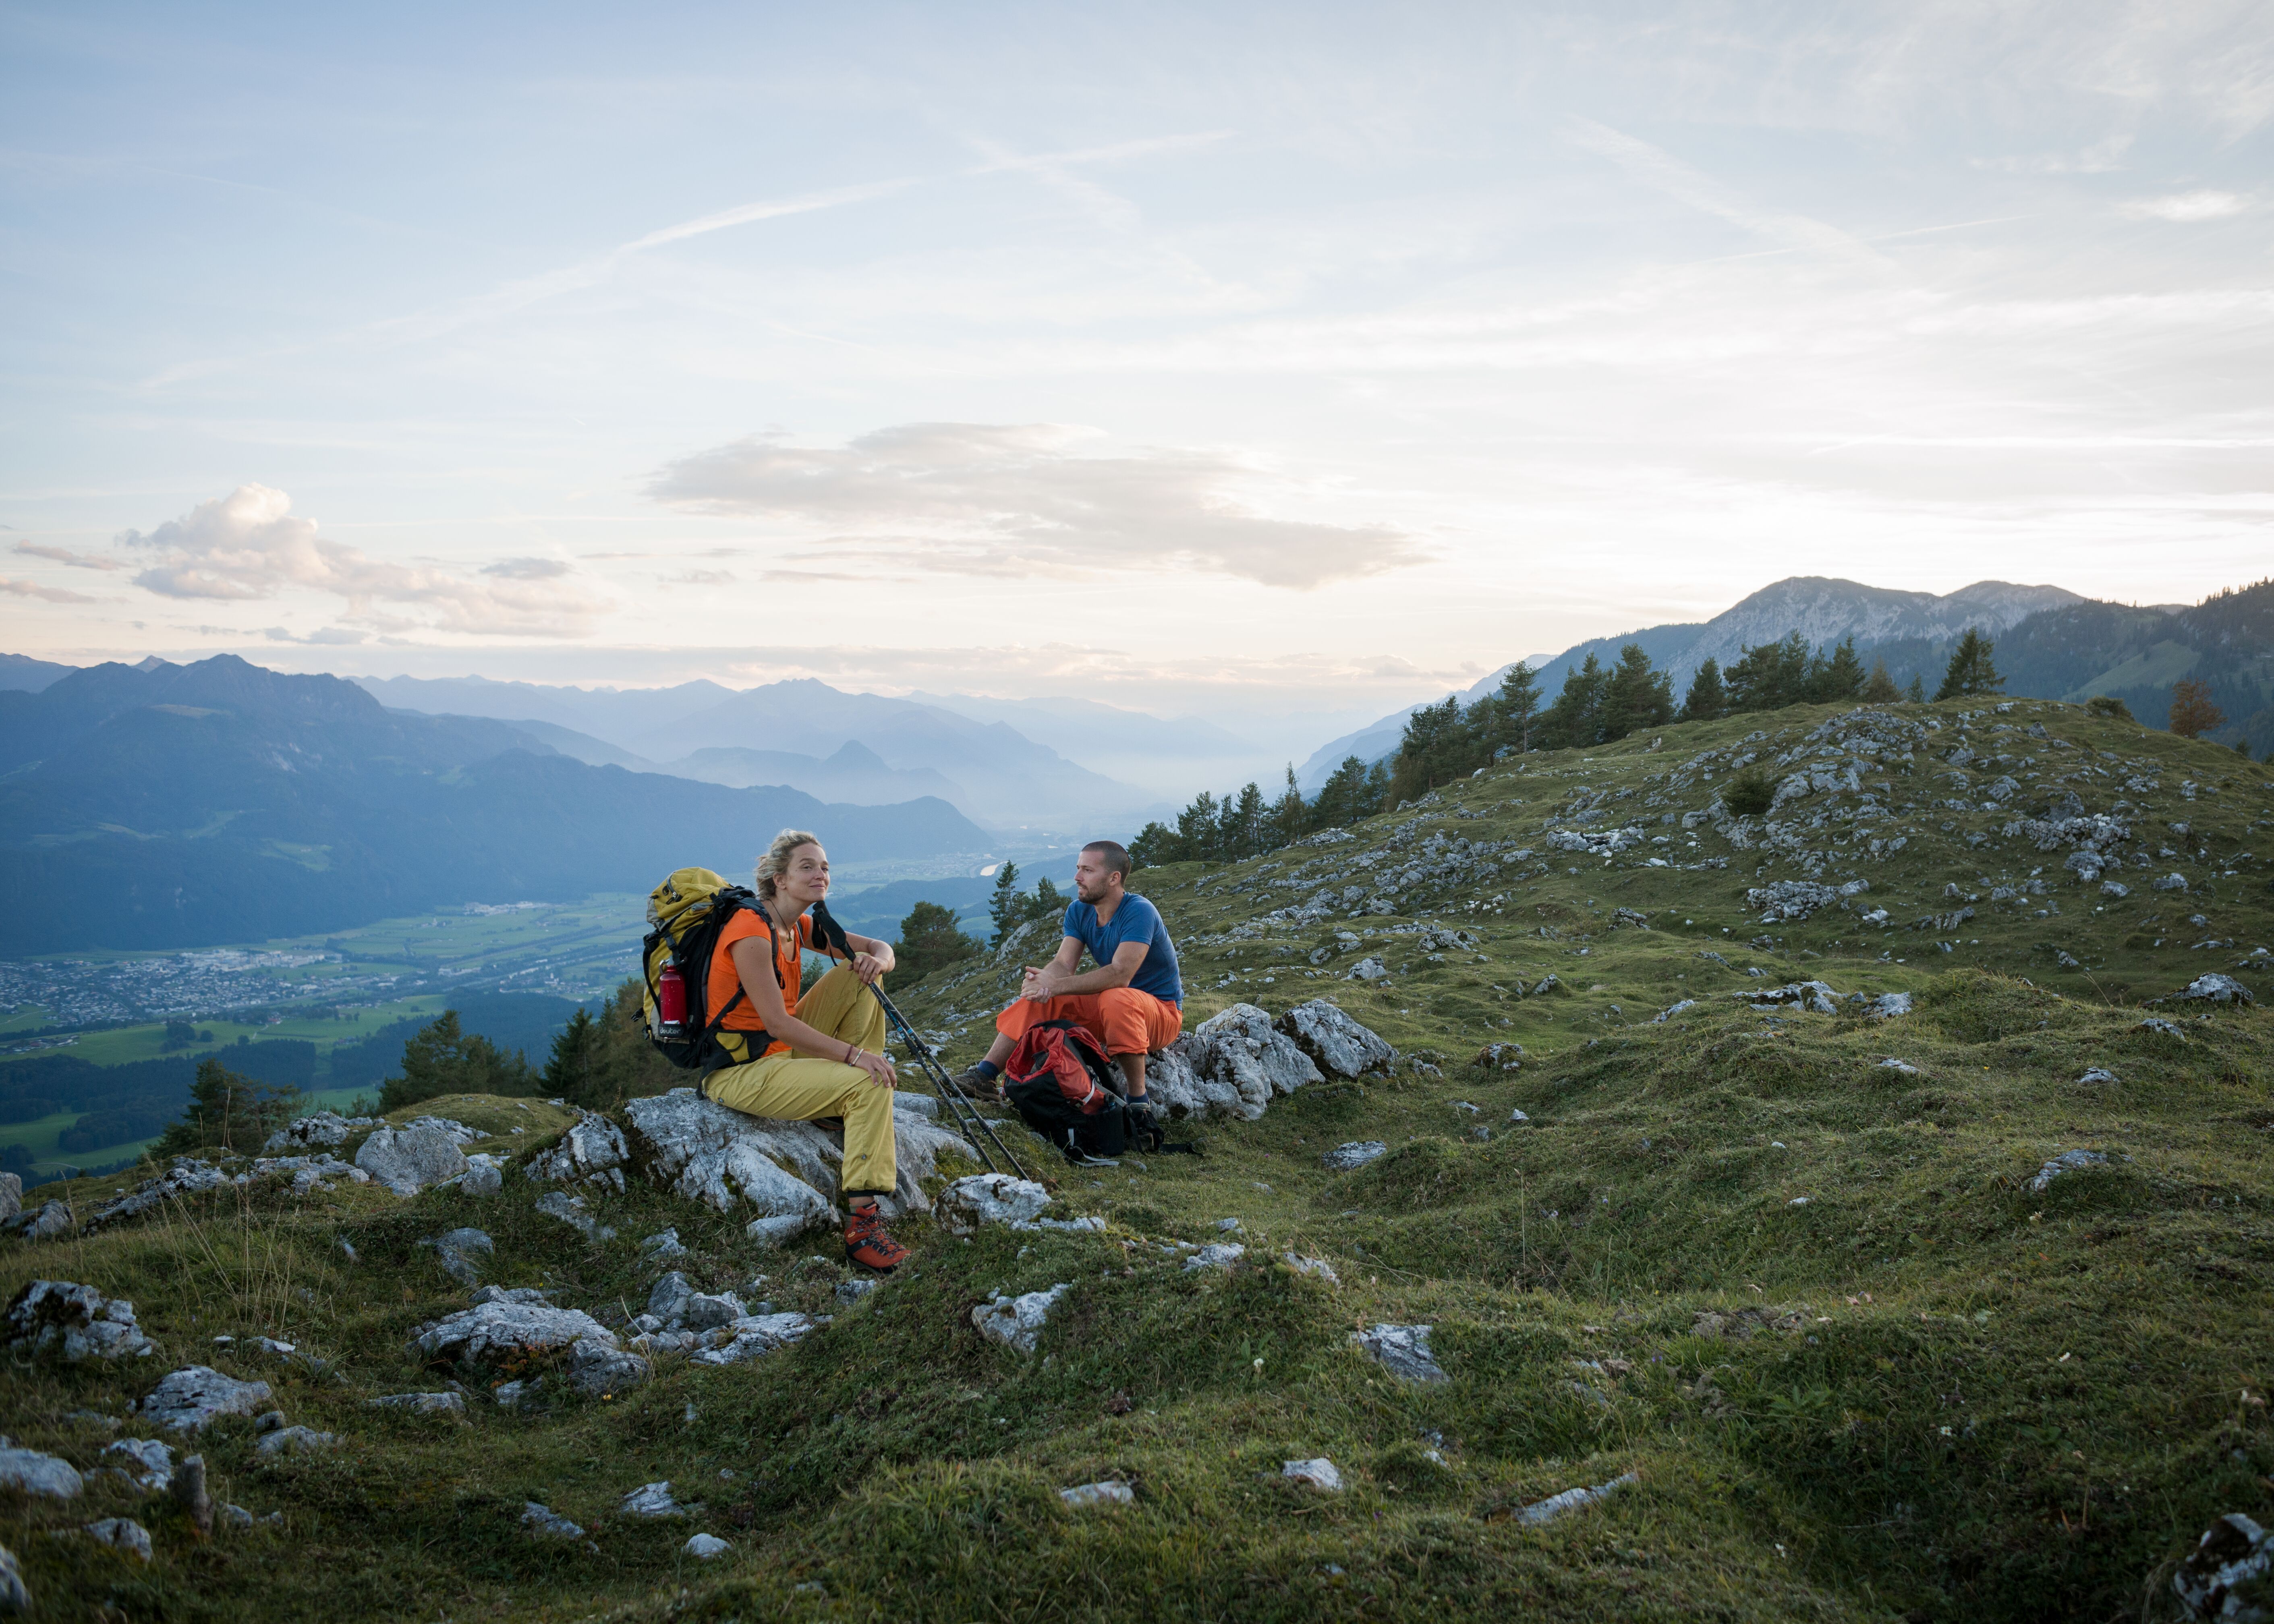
849 1052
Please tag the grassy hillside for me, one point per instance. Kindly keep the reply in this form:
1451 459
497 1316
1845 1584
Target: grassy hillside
1863 1358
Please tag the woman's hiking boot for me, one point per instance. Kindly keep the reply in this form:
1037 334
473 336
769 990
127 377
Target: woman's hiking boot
867 1245
981 1085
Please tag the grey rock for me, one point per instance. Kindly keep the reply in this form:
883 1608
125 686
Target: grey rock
2114 887
196 1395
970 1205
34 1473
509 1394
1789 899
1672 1009
1088 1495
707 1311
317 1131
453 1404
267 1421
1573 1499
15 1595
2068 1161
1816 998
917 1104
484 1175
1357 1153
11 1197
123 1534
458 1132
591 1152
786 1171
2214 988
76 1321
1223 1255
851 1292
663 1244
1886 1006
753 1337
186 1176
1319 1267
1239 1048
407 1160
2096 1075
597 1366
1403 1350
152 1457
2170 881
1339 1045
1317 1473
295 1440
494 1331
1014 1322
668 1297
2230 1564
652 1501
1368 969
461 1252
548 1524
572 1210
1892 1064
236 1516
514 1294
2157 1024
703 1547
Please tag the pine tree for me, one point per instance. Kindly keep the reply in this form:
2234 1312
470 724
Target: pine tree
1287 819
1003 901
440 1058
229 1112
1769 676
1917 692
573 1072
1502 721
1971 673
1636 696
1708 702
1880 689
1242 832
1576 719
2193 714
931 937
1434 749
1837 678
1344 799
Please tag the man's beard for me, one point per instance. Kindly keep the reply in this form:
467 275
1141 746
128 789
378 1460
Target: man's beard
1088 894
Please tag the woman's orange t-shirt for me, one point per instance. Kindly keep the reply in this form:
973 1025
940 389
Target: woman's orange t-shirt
725 980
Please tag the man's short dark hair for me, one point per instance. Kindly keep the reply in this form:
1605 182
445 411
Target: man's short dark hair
1116 856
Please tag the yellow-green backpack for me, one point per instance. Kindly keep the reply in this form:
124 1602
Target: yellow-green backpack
687 910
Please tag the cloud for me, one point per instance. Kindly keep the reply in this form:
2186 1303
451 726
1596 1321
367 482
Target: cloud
706 577
250 544
324 636
2186 208
65 555
995 499
45 594
527 569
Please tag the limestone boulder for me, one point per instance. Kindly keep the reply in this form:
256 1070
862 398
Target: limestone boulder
11 1196
1339 1046
592 1151
317 1131
1404 1351
75 1321
1014 1322
970 1204
503 1329
196 1396
30 1472
188 1175
407 1160
50 1221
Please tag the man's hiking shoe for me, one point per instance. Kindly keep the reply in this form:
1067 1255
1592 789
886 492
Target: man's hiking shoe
867 1245
980 1086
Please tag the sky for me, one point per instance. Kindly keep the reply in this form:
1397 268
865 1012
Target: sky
1279 364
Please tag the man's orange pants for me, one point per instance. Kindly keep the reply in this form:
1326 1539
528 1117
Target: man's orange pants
1127 1021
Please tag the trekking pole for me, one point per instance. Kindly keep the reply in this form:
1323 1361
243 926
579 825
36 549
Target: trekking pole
962 1109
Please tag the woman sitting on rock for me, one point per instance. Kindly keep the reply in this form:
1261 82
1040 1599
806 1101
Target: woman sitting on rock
825 1057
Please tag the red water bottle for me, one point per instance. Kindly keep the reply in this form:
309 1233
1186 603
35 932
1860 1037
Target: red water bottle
670 1001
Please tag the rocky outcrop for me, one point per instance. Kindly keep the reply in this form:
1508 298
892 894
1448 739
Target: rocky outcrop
188 1175
317 1131
196 1396
784 1172
1014 1322
1235 1063
2229 1564
1816 997
1404 1351
1338 1045
1357 1153
407 1160
2214 988
50 1221
592 1151
75 1321
30 1472
970 1205
462 1253
502 1329
11 1196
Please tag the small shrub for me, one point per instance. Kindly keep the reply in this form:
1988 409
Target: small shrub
2108 706
1750 794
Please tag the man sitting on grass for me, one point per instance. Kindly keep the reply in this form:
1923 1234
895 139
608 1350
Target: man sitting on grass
1132 1003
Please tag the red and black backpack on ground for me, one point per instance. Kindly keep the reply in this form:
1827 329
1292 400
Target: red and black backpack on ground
1065 1086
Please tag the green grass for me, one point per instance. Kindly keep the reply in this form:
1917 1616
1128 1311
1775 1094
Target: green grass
1985 1401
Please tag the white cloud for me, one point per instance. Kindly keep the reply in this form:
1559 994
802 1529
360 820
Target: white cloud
45 594
985 499
2186 208
250 544
65 555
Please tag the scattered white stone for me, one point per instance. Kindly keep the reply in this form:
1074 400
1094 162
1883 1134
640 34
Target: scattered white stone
601 1368
295 1440
1368 969
1082 1496
1815 997
2157 1024
2068 1161
15 1595
2229 1564
155 1460
407 1160
663 1244
1357 1153
1222 1256
484 1175
425 1404
123 1534
76 1321
1227 1225
236 1516
851 1292
970 1204
703 1547
2098 1074
1798 1201
1518 1116
317 1131
34 1473
459 1250
653 1501
1403 1350
187 1176
571 1210
754 1336
1672 1009
2213 988
498 1330
592 1151
1892 1064
1339 1045
1320 1266
551 1524
1318 1473
48 1221
1573 1499
1015 1322
196 1394
2172 882
1886 1006
2111 888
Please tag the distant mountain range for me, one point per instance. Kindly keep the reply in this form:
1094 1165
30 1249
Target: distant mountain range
2052 643
801 730
164 805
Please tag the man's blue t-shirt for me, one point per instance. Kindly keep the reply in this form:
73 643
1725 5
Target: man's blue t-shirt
1136 919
